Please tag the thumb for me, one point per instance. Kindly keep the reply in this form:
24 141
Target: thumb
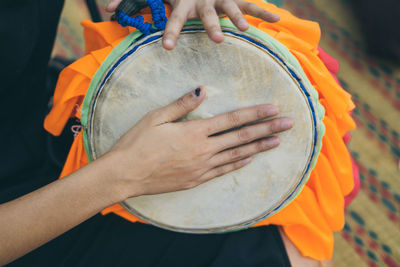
182 106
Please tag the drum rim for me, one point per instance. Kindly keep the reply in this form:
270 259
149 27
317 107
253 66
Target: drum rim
274 49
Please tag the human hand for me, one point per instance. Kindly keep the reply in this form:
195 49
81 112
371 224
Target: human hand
159 155
207 11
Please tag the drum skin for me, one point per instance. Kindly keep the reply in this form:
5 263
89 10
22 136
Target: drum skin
242 71
317 211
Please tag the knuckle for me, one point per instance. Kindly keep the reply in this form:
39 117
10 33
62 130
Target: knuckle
210 129
181 103
234 118
207 11
261 146
270 127
211 126
244 5
264 13
223 3
237 16
201 150
261 113
235 153
220 171
237 165
275 126
205 177
211 164
178 18
244 134
250 7
209 149
152 115
229 3
199 134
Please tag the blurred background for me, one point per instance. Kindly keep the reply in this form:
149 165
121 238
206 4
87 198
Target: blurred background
362 36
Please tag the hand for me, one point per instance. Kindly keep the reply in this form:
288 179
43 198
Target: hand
155 156
159 155
207 11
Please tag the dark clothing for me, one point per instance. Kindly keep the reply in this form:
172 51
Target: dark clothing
27 30
112 241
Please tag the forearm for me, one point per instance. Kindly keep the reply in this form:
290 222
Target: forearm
156 156
32 220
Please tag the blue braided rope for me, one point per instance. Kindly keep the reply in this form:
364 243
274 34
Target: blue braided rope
137 22
159 18
158 12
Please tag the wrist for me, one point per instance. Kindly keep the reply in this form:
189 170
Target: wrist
120 185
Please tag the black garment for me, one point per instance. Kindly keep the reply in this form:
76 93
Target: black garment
112 241
27 29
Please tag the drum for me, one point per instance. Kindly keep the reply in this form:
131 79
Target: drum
247 69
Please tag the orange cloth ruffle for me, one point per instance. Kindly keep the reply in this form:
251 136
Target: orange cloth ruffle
309 220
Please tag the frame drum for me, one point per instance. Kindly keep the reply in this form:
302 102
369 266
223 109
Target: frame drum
246 69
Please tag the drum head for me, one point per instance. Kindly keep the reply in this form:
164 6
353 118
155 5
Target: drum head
241 72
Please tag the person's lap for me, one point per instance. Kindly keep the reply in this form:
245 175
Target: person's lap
111 240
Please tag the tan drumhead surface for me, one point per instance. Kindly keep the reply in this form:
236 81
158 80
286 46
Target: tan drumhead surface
236 74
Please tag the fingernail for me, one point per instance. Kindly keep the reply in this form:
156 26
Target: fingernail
197 92
287 124
268 111
271 111
246 160
218 34
168 42
242 23
276 17
272 142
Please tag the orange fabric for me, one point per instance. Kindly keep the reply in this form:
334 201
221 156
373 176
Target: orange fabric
308 221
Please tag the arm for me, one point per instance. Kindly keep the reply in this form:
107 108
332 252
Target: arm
32 220
155 156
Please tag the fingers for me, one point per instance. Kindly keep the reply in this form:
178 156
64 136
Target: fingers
174 25
244 151
255 11
112 6
221 170
231 9
238 118
178 108
250 133
210 19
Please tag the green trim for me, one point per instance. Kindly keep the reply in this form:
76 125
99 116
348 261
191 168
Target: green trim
115 53
255 33
265 38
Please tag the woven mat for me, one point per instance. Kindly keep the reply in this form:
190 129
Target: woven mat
371 236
